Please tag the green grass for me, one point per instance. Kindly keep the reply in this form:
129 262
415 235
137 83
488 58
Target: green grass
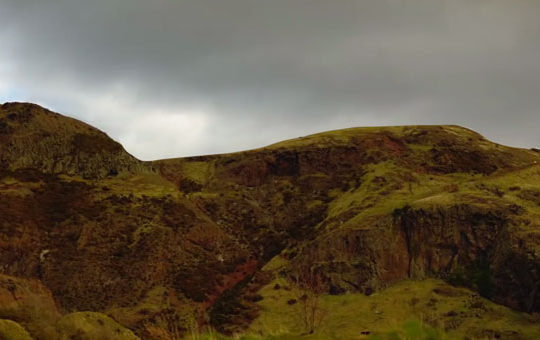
90 325
200 172
151 185
387 187
437 307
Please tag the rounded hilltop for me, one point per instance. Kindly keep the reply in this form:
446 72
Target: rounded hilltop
36 138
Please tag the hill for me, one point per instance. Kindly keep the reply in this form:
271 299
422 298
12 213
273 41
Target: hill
38 139
169 246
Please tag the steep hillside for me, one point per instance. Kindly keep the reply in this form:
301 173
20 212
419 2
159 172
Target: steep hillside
168 246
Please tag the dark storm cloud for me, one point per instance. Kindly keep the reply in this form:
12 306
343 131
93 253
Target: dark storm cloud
188 77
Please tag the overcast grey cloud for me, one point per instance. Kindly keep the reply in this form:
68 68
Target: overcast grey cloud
175 78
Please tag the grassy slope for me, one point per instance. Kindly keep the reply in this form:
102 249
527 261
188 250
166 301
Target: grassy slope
401 182
457 312
424 190
385 186
427 309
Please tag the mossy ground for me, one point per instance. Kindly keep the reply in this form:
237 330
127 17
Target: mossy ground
10 330
387 187
90 326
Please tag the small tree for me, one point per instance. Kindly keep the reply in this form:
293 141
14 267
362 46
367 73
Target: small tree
312 284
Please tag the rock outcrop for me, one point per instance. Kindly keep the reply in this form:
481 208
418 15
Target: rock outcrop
30 304
463 244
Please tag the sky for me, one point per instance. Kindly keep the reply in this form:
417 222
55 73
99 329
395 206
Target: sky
172 78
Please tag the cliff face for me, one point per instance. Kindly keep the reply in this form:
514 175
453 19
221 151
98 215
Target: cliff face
186 238
464 244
